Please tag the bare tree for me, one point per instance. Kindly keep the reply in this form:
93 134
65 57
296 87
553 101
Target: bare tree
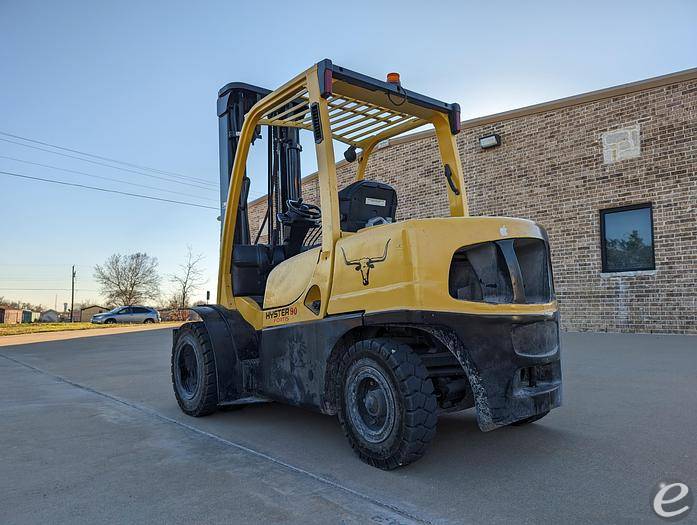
22 305
128 279
188 280
30 306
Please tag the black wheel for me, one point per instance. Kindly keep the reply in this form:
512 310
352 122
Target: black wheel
530 419
193 371
110 321
148 320
387 406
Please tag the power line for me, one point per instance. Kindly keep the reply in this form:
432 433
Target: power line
174 174
50 166
170 180
46 289
107 190
45 264
122 181
210 185
13 280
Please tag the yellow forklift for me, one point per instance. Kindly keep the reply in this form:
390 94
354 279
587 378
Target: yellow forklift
346 310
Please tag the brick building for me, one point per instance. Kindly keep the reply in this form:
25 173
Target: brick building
611 175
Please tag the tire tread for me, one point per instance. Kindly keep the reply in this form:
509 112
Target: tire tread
416 388
208 402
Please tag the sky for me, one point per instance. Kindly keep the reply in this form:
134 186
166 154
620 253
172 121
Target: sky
137 82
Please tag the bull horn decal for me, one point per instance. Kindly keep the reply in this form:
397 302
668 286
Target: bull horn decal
364 264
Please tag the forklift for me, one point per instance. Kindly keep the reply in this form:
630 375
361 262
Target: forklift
337 306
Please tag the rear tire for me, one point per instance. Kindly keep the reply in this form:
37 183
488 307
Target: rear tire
148 321
387 406
193 371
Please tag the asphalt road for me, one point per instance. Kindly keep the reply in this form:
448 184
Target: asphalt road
90 433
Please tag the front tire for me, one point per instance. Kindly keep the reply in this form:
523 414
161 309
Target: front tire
387 406
193 371
110 321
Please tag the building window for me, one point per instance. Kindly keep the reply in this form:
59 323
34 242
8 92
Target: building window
626 238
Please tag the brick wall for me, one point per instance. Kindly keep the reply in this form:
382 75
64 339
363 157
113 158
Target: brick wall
550 168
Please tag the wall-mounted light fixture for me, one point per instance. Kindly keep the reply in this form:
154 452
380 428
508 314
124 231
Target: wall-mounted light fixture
490 141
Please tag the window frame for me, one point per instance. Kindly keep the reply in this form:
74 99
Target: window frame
603 239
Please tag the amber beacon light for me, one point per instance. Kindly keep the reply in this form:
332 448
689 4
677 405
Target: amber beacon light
393 78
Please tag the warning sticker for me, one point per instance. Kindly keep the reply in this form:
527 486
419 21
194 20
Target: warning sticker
375 202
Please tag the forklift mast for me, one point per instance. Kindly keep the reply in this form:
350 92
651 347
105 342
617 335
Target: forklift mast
234 101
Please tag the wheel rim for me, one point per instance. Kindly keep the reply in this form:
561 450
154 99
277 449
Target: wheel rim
370 402
187 371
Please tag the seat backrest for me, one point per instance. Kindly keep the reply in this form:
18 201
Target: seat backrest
251 264
365 200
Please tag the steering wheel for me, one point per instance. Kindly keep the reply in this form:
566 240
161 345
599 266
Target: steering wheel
303 210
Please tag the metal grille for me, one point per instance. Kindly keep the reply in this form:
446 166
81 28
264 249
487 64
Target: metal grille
482 273
352 121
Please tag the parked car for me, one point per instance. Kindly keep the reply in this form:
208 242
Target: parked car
128 314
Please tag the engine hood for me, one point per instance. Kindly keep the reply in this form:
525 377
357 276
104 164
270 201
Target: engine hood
405 265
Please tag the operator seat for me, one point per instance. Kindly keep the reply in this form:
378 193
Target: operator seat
366 203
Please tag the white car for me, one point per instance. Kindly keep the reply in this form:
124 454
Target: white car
128 314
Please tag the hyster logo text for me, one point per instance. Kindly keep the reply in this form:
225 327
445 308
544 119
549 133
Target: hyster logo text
282 314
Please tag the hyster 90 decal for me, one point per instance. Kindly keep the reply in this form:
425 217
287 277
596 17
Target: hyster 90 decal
281 315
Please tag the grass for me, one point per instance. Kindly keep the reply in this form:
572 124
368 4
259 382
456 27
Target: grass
35 328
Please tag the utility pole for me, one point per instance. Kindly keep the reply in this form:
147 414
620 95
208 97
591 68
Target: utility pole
72 296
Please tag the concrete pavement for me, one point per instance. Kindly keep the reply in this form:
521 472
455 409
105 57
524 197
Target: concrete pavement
91 432
43 337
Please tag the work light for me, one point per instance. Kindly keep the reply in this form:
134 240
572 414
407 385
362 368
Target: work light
490 141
